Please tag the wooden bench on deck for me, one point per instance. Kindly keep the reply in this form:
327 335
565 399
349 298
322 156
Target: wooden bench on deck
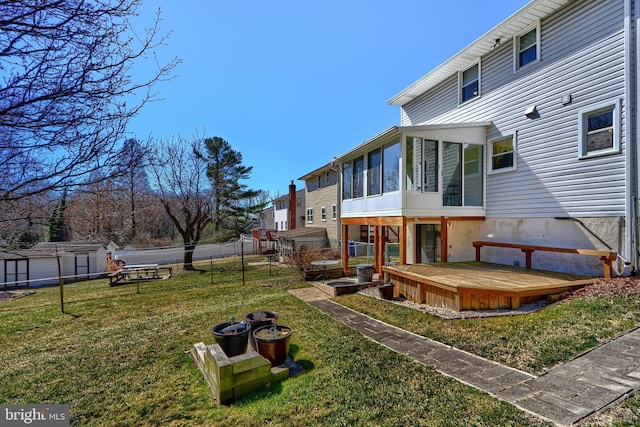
607 257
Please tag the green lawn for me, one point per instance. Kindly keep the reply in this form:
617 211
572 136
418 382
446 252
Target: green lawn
122 358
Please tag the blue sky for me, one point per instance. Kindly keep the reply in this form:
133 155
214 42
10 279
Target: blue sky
292 84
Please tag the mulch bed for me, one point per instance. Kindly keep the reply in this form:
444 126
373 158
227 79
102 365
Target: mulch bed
617 286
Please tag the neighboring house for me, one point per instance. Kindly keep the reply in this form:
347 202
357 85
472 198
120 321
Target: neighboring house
283 211
527 135
266 218
39 265
321 202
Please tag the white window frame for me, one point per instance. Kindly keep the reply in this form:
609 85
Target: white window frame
323 214
309 215
334 212
478 63
514 140
516 47
583 128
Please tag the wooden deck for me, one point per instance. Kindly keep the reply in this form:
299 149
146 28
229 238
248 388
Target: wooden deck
478 285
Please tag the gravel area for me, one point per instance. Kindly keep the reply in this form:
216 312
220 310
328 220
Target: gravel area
617 286
452 314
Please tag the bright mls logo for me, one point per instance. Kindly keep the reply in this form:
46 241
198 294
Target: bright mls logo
34 415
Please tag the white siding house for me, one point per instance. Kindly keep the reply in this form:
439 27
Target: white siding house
528 135
39 266
282 212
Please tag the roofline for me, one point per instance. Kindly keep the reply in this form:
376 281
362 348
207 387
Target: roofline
286 196
507 29
384 134
396 130
314 172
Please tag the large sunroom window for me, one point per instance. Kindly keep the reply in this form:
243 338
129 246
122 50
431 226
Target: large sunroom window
391 168
353 178
373 172
382 172
462 174
347 181
421 164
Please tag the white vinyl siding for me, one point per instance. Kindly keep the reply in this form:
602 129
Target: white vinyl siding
583 55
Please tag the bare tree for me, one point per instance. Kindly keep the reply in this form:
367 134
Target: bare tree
95 213
133 183
66 92
179 175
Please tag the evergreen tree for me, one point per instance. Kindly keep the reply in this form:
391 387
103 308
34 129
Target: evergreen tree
57 231
231 205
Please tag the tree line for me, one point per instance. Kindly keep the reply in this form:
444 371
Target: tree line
175 189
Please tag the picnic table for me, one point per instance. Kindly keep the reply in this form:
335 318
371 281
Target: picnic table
141 271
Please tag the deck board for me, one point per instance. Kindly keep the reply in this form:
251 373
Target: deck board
473 285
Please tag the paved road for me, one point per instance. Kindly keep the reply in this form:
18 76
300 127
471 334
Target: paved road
565 395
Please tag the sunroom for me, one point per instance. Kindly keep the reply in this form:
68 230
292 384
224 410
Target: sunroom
407 185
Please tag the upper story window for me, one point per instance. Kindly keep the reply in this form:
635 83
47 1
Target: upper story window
323 213
309 214
599 129
319 181
334 212
469 83
527 47
502 151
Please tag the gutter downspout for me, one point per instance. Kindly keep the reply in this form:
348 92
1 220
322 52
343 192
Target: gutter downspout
631 57
338 171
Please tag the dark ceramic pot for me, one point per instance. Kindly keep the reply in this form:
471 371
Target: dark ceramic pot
273 347
386 291
258 319
232 337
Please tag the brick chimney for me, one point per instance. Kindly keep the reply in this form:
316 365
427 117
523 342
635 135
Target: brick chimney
292 206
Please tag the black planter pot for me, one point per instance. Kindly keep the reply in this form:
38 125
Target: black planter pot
273 348
386 291
258 319
232 337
